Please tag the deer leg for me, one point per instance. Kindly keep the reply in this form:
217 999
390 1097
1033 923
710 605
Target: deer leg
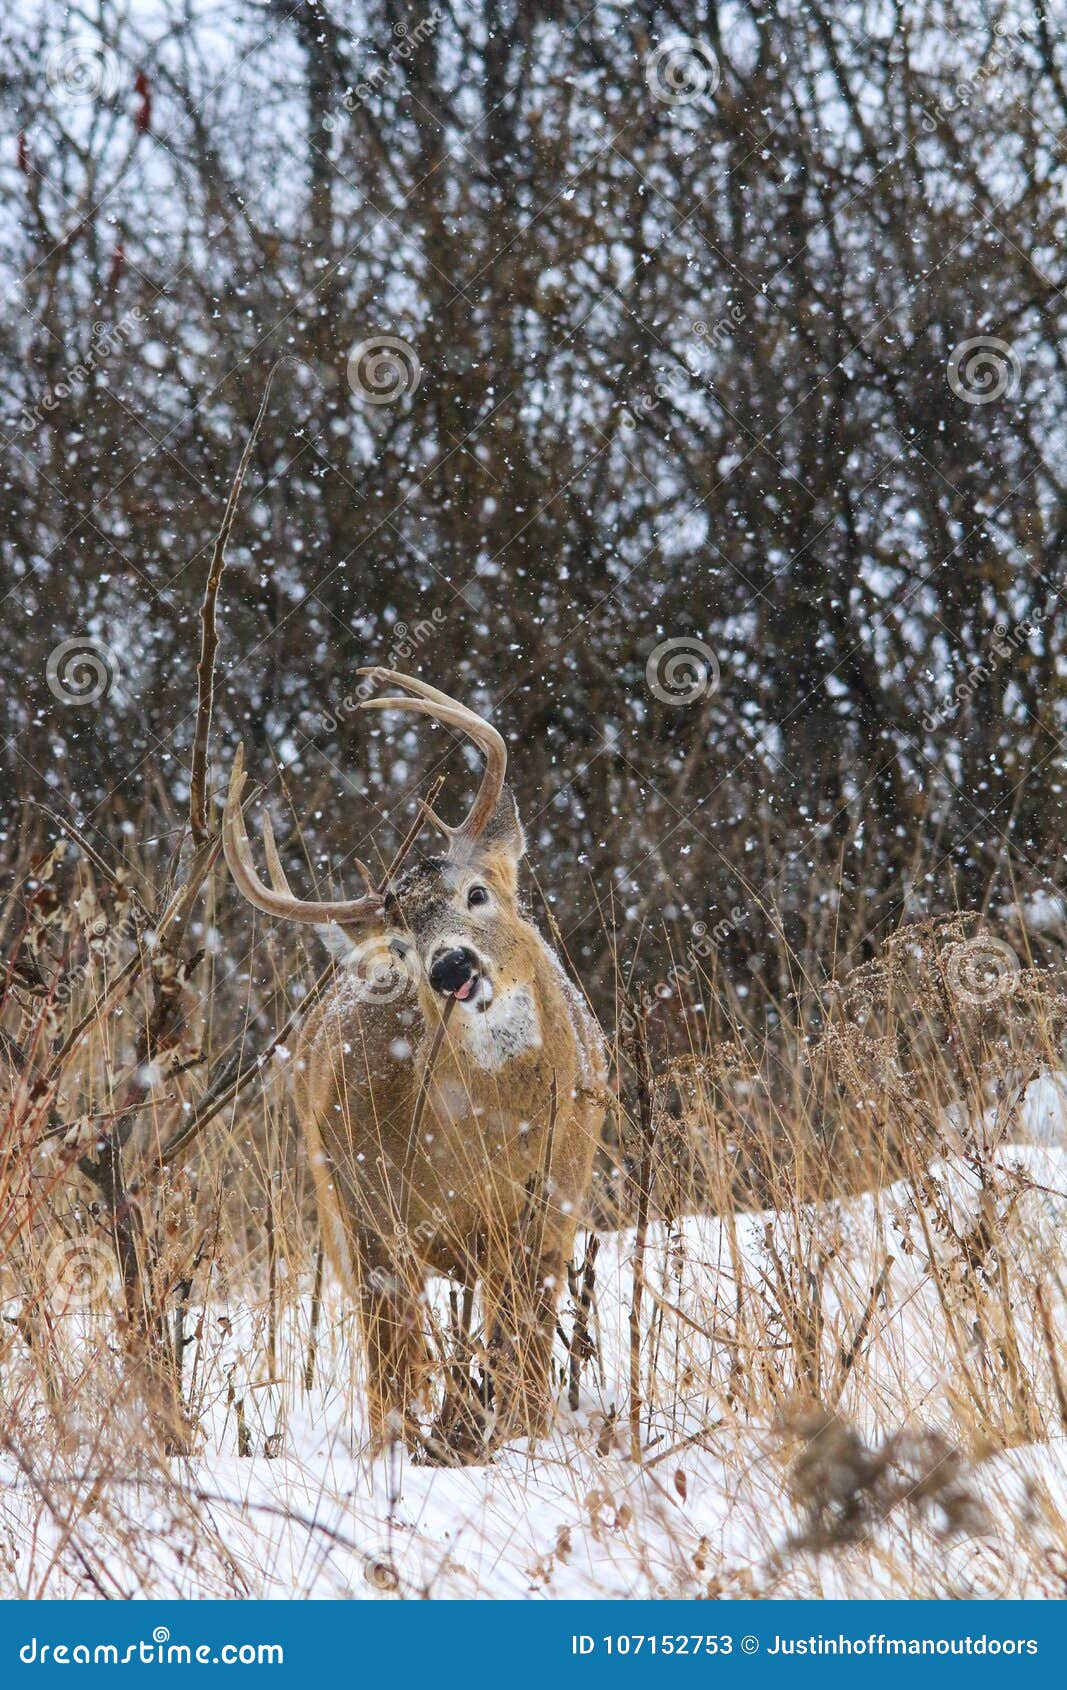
459 1434
521 1292
394 1339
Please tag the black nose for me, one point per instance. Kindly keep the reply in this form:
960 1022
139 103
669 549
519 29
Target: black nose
452 969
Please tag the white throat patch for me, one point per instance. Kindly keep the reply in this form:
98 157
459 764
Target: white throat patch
508 1028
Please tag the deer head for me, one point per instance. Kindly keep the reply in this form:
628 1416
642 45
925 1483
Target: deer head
452 921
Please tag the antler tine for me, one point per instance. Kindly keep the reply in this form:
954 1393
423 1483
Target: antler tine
278 899
422 689
434 819
368 880
274 862
277 874
428 701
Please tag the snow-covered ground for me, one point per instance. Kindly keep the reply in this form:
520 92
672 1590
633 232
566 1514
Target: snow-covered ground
306 1513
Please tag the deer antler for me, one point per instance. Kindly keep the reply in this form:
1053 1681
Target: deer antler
429 702
281 901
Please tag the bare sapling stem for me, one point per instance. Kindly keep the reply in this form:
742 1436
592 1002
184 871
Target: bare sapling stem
209 637
316 1311
646 1131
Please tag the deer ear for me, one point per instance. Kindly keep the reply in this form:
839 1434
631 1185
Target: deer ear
503 844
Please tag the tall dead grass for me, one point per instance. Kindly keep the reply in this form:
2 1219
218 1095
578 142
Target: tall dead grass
871 1305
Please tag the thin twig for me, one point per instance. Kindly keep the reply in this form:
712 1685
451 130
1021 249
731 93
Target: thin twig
205 672
1050 1345
74 833
413 832
581 1346
850 1354
183 1138
424 1083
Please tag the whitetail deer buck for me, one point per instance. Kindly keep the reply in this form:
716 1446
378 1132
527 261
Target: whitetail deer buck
451 1092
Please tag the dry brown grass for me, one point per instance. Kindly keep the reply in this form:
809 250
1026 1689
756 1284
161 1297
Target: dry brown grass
863 1329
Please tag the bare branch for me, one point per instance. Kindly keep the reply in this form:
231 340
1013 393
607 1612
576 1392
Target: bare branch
209 639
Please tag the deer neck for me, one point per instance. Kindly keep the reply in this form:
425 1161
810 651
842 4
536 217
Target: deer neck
509 1029
490 1040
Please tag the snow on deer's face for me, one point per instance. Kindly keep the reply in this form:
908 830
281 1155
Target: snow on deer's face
457 918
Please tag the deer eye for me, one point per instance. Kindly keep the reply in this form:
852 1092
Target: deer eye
477 895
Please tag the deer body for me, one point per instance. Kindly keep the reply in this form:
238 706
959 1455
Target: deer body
450 1093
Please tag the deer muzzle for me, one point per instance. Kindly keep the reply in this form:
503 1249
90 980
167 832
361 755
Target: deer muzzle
455 973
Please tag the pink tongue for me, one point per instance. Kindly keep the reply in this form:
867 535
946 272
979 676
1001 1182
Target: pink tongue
465 990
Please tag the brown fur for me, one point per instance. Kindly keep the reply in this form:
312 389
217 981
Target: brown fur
485 1182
